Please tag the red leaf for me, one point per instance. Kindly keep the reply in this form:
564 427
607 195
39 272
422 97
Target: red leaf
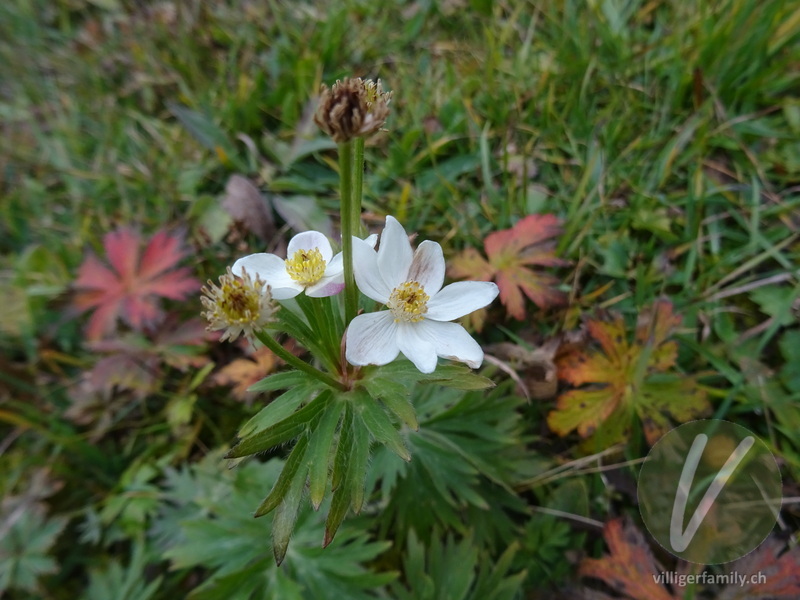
511 252
132 289
630 567
767 576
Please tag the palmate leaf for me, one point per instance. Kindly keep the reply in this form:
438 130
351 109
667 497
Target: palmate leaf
25 543
130 286
468 455
630 567
123 583
456 571
511 253
623 378
206 522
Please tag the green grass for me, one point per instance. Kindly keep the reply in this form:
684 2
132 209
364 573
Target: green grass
664 134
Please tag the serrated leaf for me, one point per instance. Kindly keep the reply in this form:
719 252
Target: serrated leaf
278 410
319 452
286 513
283 431
340 479
25 545
458 377
283 380
396 398
129 286
511 253
294 464
359 457
769 573
380 426
629 568
626 377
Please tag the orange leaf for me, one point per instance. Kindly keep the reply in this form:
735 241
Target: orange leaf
630 566
626 378
469 264
768 576
511 252
244 372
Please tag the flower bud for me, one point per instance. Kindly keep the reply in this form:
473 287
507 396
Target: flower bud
352 108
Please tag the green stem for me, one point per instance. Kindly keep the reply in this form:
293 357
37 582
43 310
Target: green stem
358 186
348 228
292 360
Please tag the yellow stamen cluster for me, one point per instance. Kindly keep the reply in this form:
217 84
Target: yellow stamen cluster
408 302
240 305
306 267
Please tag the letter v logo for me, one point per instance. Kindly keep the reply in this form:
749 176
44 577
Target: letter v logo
679 539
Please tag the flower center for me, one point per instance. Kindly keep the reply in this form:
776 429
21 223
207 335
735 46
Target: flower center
306 267
239 302
408 302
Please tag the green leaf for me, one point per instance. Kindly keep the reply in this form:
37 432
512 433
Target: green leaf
359 457
776 301
24 547
286 514
206 525
283 431
379 425
205 131
341 477
123 583
279 409
281 381
294 464
396 398
320 450
790 349
458 377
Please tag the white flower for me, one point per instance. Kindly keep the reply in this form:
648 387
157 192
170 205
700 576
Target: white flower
417 322
310 266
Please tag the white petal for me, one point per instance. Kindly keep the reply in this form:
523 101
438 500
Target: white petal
324 287
372 240
308 240
451 341
286 292
427 267
272 270
461 298
371 339
365 267
416 348
332 282
394 254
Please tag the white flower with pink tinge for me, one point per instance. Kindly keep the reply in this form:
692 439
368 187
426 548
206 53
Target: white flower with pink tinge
417 323
310 267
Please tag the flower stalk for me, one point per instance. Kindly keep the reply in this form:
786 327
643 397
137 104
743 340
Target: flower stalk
292 360
351 216
358 185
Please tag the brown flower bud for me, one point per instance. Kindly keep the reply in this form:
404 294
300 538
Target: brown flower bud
352 108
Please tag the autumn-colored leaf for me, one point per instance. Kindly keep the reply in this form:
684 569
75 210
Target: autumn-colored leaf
630 568
511 253
244 372
622 378
130 286
769 575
